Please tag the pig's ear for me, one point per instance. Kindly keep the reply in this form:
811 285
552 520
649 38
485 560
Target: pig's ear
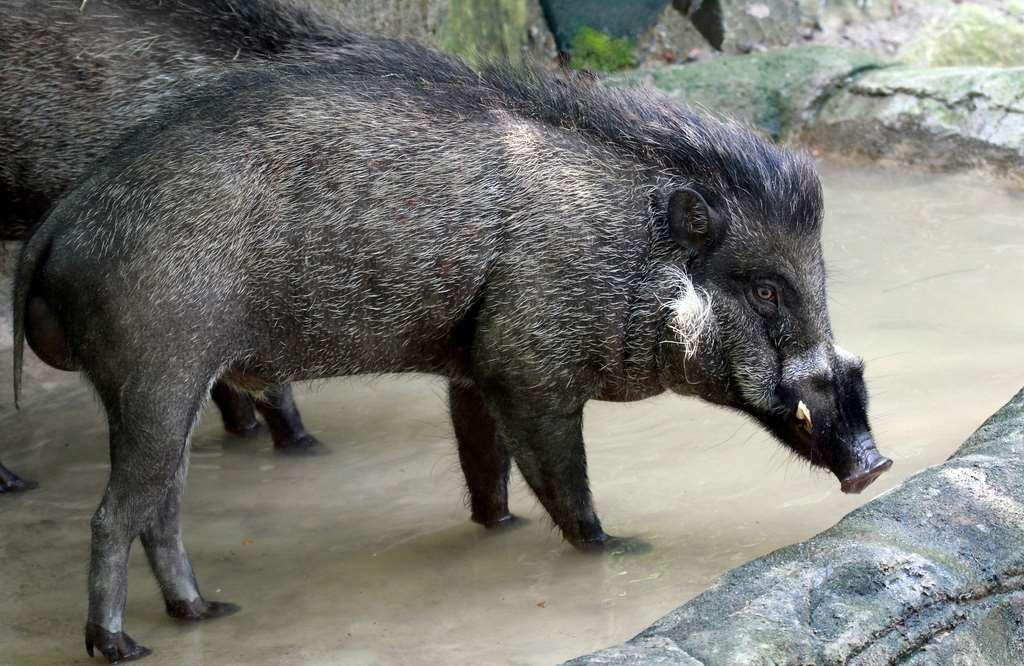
691 221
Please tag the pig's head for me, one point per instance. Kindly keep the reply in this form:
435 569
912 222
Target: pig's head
748 324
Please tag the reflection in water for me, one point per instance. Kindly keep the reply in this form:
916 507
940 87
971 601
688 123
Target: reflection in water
367 555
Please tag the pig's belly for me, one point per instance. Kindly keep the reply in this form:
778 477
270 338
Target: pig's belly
388 323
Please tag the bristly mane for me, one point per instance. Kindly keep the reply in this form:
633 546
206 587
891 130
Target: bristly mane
720 155
265 27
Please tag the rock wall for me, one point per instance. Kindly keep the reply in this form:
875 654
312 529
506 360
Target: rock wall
658 31
475 30
930 573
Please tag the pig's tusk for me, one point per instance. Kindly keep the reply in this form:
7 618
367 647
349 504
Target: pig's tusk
804 416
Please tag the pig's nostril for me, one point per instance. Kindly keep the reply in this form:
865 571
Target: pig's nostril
858 481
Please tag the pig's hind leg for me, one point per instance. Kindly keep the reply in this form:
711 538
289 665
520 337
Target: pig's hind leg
150 426
282 416
485 460
169 561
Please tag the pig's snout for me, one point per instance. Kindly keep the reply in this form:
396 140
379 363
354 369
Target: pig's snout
868 465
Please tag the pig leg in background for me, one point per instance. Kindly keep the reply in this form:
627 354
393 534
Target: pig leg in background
278 410
235 410
282 416
547 445
9 481
169 561
149 438
485 461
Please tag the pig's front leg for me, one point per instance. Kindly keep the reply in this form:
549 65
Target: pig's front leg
9 481
235 410
485 461
546 441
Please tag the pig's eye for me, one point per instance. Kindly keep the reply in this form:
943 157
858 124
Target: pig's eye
766 292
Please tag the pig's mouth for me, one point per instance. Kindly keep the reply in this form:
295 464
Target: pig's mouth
868 465
856 461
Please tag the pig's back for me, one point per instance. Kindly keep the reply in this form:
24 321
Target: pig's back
71 85
367 217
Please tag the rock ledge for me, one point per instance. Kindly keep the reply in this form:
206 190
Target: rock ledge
931 572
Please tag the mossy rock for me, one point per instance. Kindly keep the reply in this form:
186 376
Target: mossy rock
775 91
970 35
481 30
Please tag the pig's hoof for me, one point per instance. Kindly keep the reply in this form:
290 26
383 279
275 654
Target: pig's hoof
506 521
13 484
247 429
200 609
610 545
116 647
303 445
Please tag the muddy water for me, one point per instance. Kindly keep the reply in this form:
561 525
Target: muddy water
367 555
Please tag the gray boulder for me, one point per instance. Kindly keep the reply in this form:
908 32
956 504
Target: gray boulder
940 118
672 39
930 573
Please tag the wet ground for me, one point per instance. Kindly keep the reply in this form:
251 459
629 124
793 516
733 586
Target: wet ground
367 555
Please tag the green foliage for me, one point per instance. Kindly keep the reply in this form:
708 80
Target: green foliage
597 51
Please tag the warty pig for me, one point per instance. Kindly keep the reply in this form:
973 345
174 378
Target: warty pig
536 241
